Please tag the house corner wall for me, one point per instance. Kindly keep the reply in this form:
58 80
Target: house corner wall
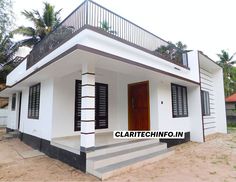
41 127
195 114
153 98
221 124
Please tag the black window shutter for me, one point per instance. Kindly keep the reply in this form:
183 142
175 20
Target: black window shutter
185 102
179 101
101 102
174 100
34 101
13 102
77 123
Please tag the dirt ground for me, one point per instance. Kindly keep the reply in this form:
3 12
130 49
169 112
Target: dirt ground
214 160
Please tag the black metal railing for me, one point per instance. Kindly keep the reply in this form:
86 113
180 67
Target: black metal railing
91 14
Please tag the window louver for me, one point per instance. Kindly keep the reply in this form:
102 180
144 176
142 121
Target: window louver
101 106
34 101
179 101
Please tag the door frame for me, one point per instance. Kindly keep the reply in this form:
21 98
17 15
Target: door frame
19 110
129 102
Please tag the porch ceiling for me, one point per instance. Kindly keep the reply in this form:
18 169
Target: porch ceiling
73 61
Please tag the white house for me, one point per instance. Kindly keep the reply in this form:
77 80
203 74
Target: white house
98 72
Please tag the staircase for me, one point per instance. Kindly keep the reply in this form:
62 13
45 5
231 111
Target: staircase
109 161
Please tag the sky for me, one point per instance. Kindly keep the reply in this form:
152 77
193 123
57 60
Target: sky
206 25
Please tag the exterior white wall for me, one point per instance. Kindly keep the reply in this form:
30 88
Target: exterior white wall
3 117
64 100
165 120
221 125
195 114
12 119
164 112
38 127
98 41
154 104
207 84
15 75
57 101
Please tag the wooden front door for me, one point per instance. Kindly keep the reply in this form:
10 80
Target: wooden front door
138 106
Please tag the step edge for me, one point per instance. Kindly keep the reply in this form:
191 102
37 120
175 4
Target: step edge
123 157
117 153
92 154
133 165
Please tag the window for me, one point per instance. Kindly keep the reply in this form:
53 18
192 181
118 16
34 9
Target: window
101 104
13 102
34 100
205 103
179 101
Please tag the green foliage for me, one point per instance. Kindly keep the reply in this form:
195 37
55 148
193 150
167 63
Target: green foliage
229 72
7 51
6 15
181 46
43 24
231 124
172 51
7 46
105 26
5 70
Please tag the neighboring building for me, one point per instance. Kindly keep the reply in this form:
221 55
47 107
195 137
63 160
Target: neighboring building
3 117
3 112
231 108
85 80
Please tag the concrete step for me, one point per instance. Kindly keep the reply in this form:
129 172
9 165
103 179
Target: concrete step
124 166
15 133
68 148
12 134
125 154
119 147
7 136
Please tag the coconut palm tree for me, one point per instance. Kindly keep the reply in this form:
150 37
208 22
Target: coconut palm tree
6 15
105 26
181 46
226 62
172 51
43 24
7 51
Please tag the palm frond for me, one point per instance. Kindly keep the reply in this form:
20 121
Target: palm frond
44 23
29 15
28 42
25 31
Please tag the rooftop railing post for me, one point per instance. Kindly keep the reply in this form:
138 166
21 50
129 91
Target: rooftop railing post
93 14
86 11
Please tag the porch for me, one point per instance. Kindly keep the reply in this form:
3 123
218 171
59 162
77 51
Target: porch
105 155
72 143
111 157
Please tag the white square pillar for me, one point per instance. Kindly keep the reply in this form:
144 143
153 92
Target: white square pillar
87 139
